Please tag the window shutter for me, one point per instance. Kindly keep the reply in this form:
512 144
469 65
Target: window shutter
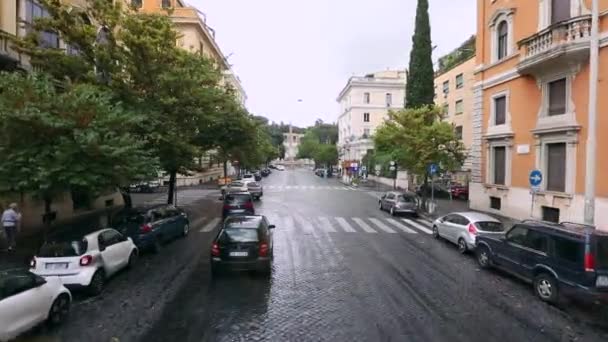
557 97
499 165
560 10
556 167
500 110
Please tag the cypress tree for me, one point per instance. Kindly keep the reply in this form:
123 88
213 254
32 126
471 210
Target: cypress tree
420 88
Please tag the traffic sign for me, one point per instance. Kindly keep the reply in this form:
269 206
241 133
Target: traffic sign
433 168
378 167
363 168
536 178
392 163
377 172
392 168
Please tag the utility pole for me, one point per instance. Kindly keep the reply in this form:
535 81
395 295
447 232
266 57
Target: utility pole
590 164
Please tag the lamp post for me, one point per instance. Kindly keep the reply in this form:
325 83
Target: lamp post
590 163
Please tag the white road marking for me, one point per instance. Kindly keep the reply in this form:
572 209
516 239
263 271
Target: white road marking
211 225
425 222
417 225
306 226
364 225
326 225
345 225
381 225
400 226
288 222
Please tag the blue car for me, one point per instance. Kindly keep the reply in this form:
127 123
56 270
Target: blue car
151 227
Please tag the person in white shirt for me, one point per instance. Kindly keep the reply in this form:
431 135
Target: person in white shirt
10 222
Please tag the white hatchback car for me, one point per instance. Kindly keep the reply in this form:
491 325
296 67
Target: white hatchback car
27 300
85 262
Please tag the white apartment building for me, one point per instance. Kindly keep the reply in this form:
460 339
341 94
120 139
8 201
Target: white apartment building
364 105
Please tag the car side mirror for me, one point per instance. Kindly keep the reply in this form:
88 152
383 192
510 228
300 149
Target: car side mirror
272 226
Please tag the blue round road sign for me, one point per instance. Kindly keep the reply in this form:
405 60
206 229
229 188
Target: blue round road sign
433 169
536 177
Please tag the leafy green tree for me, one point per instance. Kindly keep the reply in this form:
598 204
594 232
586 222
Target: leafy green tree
416 138
420 86
55 141
326 155
318 143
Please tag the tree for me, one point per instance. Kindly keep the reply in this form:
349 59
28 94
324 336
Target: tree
318 143
76 138
416 138
420 88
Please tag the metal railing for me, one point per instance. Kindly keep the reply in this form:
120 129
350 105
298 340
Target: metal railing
5 47
569 31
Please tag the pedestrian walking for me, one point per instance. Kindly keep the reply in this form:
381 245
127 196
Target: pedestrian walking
11 220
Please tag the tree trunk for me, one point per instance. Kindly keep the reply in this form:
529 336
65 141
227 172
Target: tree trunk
424 190
225 168
47 217
172 181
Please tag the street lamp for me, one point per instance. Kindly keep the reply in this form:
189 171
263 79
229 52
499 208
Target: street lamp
590 163
394 168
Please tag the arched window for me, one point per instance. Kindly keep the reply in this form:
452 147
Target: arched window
503 36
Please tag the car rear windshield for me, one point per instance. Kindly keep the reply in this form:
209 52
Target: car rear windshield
602 252
237 198
63 249
490 226
231 235
406 199
253 185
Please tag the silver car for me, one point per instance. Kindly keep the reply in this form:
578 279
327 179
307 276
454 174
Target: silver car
462 228
255 189
399 203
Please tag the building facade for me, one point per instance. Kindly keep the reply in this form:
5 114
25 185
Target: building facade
364 105
291 143
531 108
454 93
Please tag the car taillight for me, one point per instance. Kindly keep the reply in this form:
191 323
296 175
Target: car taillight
86 260
33 263
589 262
227 206
472 229
249 205
215 249
263 249
146 228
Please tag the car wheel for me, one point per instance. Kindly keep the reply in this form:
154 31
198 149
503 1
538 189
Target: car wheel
483 257
392 211
59 310
186 230
97 283
546 288
380 205
462 246
436 232
132 259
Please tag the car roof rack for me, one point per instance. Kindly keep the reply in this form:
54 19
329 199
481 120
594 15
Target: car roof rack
565 226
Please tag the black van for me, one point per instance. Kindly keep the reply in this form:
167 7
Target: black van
560 258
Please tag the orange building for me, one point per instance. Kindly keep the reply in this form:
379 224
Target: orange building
531 108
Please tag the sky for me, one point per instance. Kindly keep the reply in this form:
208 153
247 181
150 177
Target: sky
286 50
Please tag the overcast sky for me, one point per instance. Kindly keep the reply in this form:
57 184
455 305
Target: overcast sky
285 50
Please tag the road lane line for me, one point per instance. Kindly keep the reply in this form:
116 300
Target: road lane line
211 225
400 226
381 225
306 226
326 225
345 225
288 187
417 225
364 225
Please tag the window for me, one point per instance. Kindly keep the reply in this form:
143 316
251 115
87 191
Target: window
458 132
389 99
556 167
517 235
365 117
560 10
366 98
537 241
568 250
499 165
34 10
366 132
459 107
15 284
230 235
503 35
136 3
56 249
446 109
446 87
500 110
390 196
495 203
550 214
81 199
557 97
166 3
459 81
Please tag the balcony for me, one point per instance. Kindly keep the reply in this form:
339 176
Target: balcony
557 46
9 58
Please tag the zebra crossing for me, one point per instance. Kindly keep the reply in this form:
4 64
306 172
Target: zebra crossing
348 225
308 187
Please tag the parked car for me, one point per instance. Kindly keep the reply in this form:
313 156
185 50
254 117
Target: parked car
463 228
557 259
151 227
27 300
243 243
460 191
145 187
248 176
257 175
265 172
85 262
238 186
280 167
399 203
438 189
238 203
255 189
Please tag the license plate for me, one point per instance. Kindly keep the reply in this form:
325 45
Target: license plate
602 281
239 254
238 211
57 266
